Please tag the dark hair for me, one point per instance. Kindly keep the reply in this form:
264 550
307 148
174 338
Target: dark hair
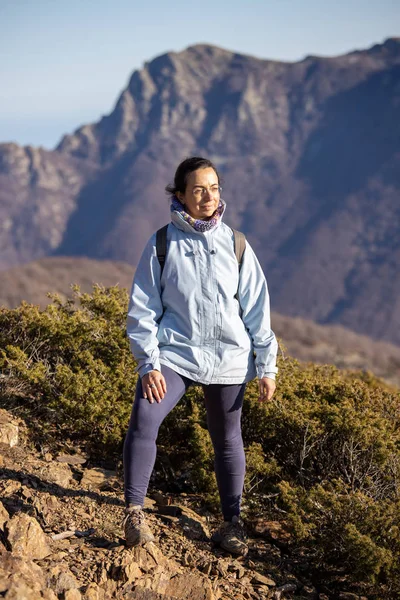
183 171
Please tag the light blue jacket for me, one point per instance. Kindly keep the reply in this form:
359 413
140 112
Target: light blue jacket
191 319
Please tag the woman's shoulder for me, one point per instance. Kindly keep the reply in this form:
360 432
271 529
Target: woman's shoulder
225 231
233 235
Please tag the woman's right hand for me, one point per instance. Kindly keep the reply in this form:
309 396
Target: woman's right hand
154 386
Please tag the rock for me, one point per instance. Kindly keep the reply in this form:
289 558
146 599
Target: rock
60 579
48 595
71 459
190 586
58 556
46 504
170 510
188 560
348 596
110 588
102 576
237 568
26 537
1 461
273 531
4 516
161 499
9 429
22 579
26 493
23 591
148 503
283 589
72 595
193 525
25 569
156 581
151 571
207 567
167 583
12 488
131 570
140 594
57 473
263 580
98 478
94 592
147 557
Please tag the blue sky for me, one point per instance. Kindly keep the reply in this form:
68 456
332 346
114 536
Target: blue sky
64 64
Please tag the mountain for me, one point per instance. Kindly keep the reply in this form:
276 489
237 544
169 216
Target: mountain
310 157
301 338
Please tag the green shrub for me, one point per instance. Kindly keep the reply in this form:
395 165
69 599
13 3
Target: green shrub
325 424
71 365
346 529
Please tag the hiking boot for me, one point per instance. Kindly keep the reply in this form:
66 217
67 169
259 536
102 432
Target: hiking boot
231 537
137 532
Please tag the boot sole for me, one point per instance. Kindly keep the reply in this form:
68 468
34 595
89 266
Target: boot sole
140 542
238 552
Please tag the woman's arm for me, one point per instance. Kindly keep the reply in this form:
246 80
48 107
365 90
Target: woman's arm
145 310
254 302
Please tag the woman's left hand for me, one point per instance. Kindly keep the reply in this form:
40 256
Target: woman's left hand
267 388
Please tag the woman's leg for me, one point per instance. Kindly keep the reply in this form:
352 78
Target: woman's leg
139 453
224 409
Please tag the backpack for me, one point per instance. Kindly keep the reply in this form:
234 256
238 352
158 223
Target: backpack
239 242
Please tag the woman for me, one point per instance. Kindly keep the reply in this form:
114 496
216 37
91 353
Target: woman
197 321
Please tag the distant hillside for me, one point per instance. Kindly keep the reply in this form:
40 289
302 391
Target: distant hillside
32 282
336 345
303 339
310 156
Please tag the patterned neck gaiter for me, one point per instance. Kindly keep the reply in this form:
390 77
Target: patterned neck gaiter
197 224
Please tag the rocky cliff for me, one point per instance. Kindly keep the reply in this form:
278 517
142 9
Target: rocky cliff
310 156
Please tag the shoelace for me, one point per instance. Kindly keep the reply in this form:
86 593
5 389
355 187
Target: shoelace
135 518
236 529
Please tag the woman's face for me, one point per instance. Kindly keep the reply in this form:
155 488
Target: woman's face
202 194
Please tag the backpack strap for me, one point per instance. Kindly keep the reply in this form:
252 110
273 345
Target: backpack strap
161 245
239 241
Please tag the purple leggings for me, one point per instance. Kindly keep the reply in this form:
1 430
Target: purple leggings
224 408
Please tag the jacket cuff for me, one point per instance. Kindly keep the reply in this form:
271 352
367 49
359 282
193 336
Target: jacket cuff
261 372
147 367
269 375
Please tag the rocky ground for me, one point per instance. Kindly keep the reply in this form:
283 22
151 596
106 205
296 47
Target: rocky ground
61 537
